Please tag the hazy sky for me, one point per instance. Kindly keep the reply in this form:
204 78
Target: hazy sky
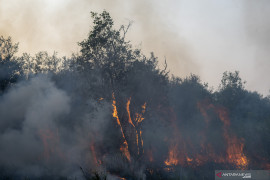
204 37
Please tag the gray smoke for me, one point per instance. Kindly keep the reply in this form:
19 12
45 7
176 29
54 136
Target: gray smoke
204 38
47 132
59 21
26 110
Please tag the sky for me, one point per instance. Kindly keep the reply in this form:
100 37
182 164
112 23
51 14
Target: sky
203 37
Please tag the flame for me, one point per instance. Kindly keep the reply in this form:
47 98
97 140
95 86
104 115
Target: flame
150 155
190 161
141 137
92 148
137 141
139 117
173 156
234 145
121 178
135 127
128 111
124 147
50 143
130 122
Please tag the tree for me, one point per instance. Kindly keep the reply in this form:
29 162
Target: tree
7 49
110 64
231 90
231 80
106 50
9 67
42 62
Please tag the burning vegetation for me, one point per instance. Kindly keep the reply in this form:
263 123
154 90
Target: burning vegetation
109 112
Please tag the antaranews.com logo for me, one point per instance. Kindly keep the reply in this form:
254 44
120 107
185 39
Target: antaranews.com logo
239 174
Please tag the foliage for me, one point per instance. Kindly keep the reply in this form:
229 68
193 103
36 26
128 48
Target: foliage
106 50
9 68
42 62
7 49
231 90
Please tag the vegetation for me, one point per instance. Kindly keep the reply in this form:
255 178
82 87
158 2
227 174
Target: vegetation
108 64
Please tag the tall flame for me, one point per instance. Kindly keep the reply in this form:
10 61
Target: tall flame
234 145
124 147
128 111
137 128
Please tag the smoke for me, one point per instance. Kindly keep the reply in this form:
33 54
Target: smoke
49 132
257 30
27 109
36 138
205 38
59 25
55 125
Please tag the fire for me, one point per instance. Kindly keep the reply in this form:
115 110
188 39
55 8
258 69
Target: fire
189 159
137 128
150 155
234 145
50 143
134 128
92 148
235 153
173 156
137 141
139 117
141 137
124 147
192 162
121 178
128 111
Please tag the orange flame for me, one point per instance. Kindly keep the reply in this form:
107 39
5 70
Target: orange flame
138 119
141 137
234 145
129 117
92 148
150 155
173 156
124 147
